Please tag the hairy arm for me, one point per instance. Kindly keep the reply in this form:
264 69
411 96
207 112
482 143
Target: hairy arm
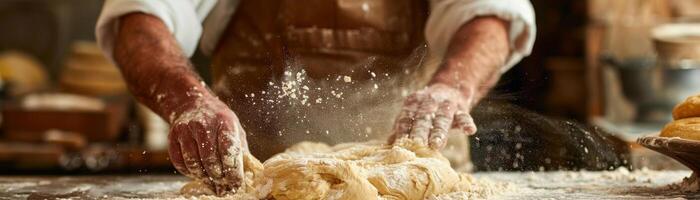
475 56
156 71
470 68
206 139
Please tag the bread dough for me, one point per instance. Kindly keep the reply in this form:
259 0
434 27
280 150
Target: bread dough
360 171
351 171
688 108
688 128
256 185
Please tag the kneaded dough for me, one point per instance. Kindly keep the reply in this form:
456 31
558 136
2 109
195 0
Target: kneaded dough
255 186
688 108
351 171
688 128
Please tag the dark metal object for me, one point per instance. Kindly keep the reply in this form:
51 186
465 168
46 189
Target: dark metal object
511 138
636 77
684 151
654 88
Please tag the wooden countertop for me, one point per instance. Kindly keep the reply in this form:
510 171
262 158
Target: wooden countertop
618 184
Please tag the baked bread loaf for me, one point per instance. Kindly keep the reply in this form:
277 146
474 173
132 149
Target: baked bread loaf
688 128
688 108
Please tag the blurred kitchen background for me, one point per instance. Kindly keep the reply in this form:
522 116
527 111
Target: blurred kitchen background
66 110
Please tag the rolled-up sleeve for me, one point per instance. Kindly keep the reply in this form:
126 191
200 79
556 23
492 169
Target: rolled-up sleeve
182 17
449 15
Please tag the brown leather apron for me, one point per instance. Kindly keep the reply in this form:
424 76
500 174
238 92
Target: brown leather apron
322 70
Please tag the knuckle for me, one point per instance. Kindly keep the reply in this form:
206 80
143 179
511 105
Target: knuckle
442 116
210 160
461 113
447 104
215 170
443 120
421 129
441 127
430 99
192 163
426 116
464 119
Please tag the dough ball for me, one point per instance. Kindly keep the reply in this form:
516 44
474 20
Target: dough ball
688 128
688 108
408 171
255 185
349 171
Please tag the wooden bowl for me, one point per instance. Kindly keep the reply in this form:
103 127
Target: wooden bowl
684 151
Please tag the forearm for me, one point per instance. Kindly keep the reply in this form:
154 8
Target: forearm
473 60
155 69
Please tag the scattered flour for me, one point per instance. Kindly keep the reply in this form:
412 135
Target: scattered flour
192 114
689 184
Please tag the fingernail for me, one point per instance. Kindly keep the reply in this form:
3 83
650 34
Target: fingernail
470 130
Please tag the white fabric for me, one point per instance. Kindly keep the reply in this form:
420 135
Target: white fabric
448 15
184 19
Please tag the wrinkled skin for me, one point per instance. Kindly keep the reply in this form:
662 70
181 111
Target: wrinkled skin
471 67
429 114
206 143
206 138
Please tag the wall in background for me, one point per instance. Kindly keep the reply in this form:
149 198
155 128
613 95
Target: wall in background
46 28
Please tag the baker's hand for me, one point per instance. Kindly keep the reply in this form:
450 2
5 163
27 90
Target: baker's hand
427 115
207 143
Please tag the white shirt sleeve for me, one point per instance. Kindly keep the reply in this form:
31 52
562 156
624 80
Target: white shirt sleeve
182 17
448 15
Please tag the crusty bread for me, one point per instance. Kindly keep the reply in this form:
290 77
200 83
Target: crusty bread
688 108
688 128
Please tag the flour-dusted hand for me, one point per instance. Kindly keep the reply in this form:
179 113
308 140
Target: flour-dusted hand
470 68
207 142
427 115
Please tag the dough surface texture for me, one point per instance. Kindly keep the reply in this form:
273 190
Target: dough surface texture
352 171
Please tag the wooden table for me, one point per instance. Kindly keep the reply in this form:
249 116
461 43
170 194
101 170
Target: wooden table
618 184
